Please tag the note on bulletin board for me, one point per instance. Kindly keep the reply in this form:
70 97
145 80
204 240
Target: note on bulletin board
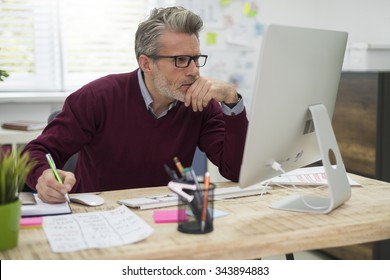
231 37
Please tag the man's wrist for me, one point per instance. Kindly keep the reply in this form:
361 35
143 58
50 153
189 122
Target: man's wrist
234 103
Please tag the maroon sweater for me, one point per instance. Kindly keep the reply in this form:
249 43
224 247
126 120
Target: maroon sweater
122 145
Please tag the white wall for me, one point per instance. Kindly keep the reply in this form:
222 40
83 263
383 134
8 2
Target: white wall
27 111
365 20
29 106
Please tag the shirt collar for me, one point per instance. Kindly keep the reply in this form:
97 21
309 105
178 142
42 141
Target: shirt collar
144 91
148 98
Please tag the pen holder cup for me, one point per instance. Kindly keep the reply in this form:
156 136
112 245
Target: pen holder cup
197 216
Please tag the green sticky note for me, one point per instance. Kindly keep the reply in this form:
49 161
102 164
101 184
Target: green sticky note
250 9
211 38
224 2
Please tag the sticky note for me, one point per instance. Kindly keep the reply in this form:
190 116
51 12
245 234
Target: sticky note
169 216
31 222
224 3
216 213
250 9
211 38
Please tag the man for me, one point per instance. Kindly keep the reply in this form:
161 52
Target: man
125 127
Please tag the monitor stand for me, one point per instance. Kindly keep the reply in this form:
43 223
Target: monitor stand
338 185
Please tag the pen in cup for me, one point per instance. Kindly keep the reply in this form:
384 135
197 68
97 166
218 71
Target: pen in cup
189 175
56 174
171 173
205 201
178 165
196 204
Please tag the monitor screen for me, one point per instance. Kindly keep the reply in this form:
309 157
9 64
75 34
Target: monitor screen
297 69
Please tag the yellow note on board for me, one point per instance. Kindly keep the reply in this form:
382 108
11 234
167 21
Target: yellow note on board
250 9
224 2
211 38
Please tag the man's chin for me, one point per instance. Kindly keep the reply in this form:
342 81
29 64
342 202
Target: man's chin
179 96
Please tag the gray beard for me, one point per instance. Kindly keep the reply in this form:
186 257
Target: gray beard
163 88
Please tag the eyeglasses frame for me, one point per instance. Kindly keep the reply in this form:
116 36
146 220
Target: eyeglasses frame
191 58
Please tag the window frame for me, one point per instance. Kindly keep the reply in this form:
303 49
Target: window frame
50 70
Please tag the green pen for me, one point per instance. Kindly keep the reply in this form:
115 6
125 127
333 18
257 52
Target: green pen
56 174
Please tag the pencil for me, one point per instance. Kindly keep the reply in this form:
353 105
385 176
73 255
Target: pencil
205 200
178 165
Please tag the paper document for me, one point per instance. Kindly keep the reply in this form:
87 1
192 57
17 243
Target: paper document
305 176
120 226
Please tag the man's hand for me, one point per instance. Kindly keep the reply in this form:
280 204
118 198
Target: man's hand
50 190
203 90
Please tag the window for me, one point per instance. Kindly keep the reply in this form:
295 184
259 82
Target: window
59 45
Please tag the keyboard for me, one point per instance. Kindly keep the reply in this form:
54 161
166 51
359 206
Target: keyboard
171 199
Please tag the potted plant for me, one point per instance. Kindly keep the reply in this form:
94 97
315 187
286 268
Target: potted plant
14 168
3 74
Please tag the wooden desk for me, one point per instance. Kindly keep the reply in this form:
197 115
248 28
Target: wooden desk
251 230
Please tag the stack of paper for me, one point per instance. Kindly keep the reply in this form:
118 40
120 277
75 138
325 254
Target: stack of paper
315 176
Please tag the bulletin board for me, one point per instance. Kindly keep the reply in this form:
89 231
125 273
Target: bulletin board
231 38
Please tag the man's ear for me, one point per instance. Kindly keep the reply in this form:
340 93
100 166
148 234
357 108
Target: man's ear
145 63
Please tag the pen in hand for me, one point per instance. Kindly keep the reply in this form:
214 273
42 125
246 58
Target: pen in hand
56 174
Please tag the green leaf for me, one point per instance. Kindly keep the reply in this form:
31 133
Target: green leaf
14 169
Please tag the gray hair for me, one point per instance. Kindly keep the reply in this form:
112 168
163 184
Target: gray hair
177 19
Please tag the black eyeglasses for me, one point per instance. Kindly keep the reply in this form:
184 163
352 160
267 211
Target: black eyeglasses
183 61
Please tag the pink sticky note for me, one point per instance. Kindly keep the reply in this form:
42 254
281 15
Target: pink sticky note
31 222
169 216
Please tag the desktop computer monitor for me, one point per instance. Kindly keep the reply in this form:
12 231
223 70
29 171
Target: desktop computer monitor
296 86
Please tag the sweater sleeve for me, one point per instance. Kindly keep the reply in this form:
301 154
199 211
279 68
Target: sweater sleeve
223 140
64 135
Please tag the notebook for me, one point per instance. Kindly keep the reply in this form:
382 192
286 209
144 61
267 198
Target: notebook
45 209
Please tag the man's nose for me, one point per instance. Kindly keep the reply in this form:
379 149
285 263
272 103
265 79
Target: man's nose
192 69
